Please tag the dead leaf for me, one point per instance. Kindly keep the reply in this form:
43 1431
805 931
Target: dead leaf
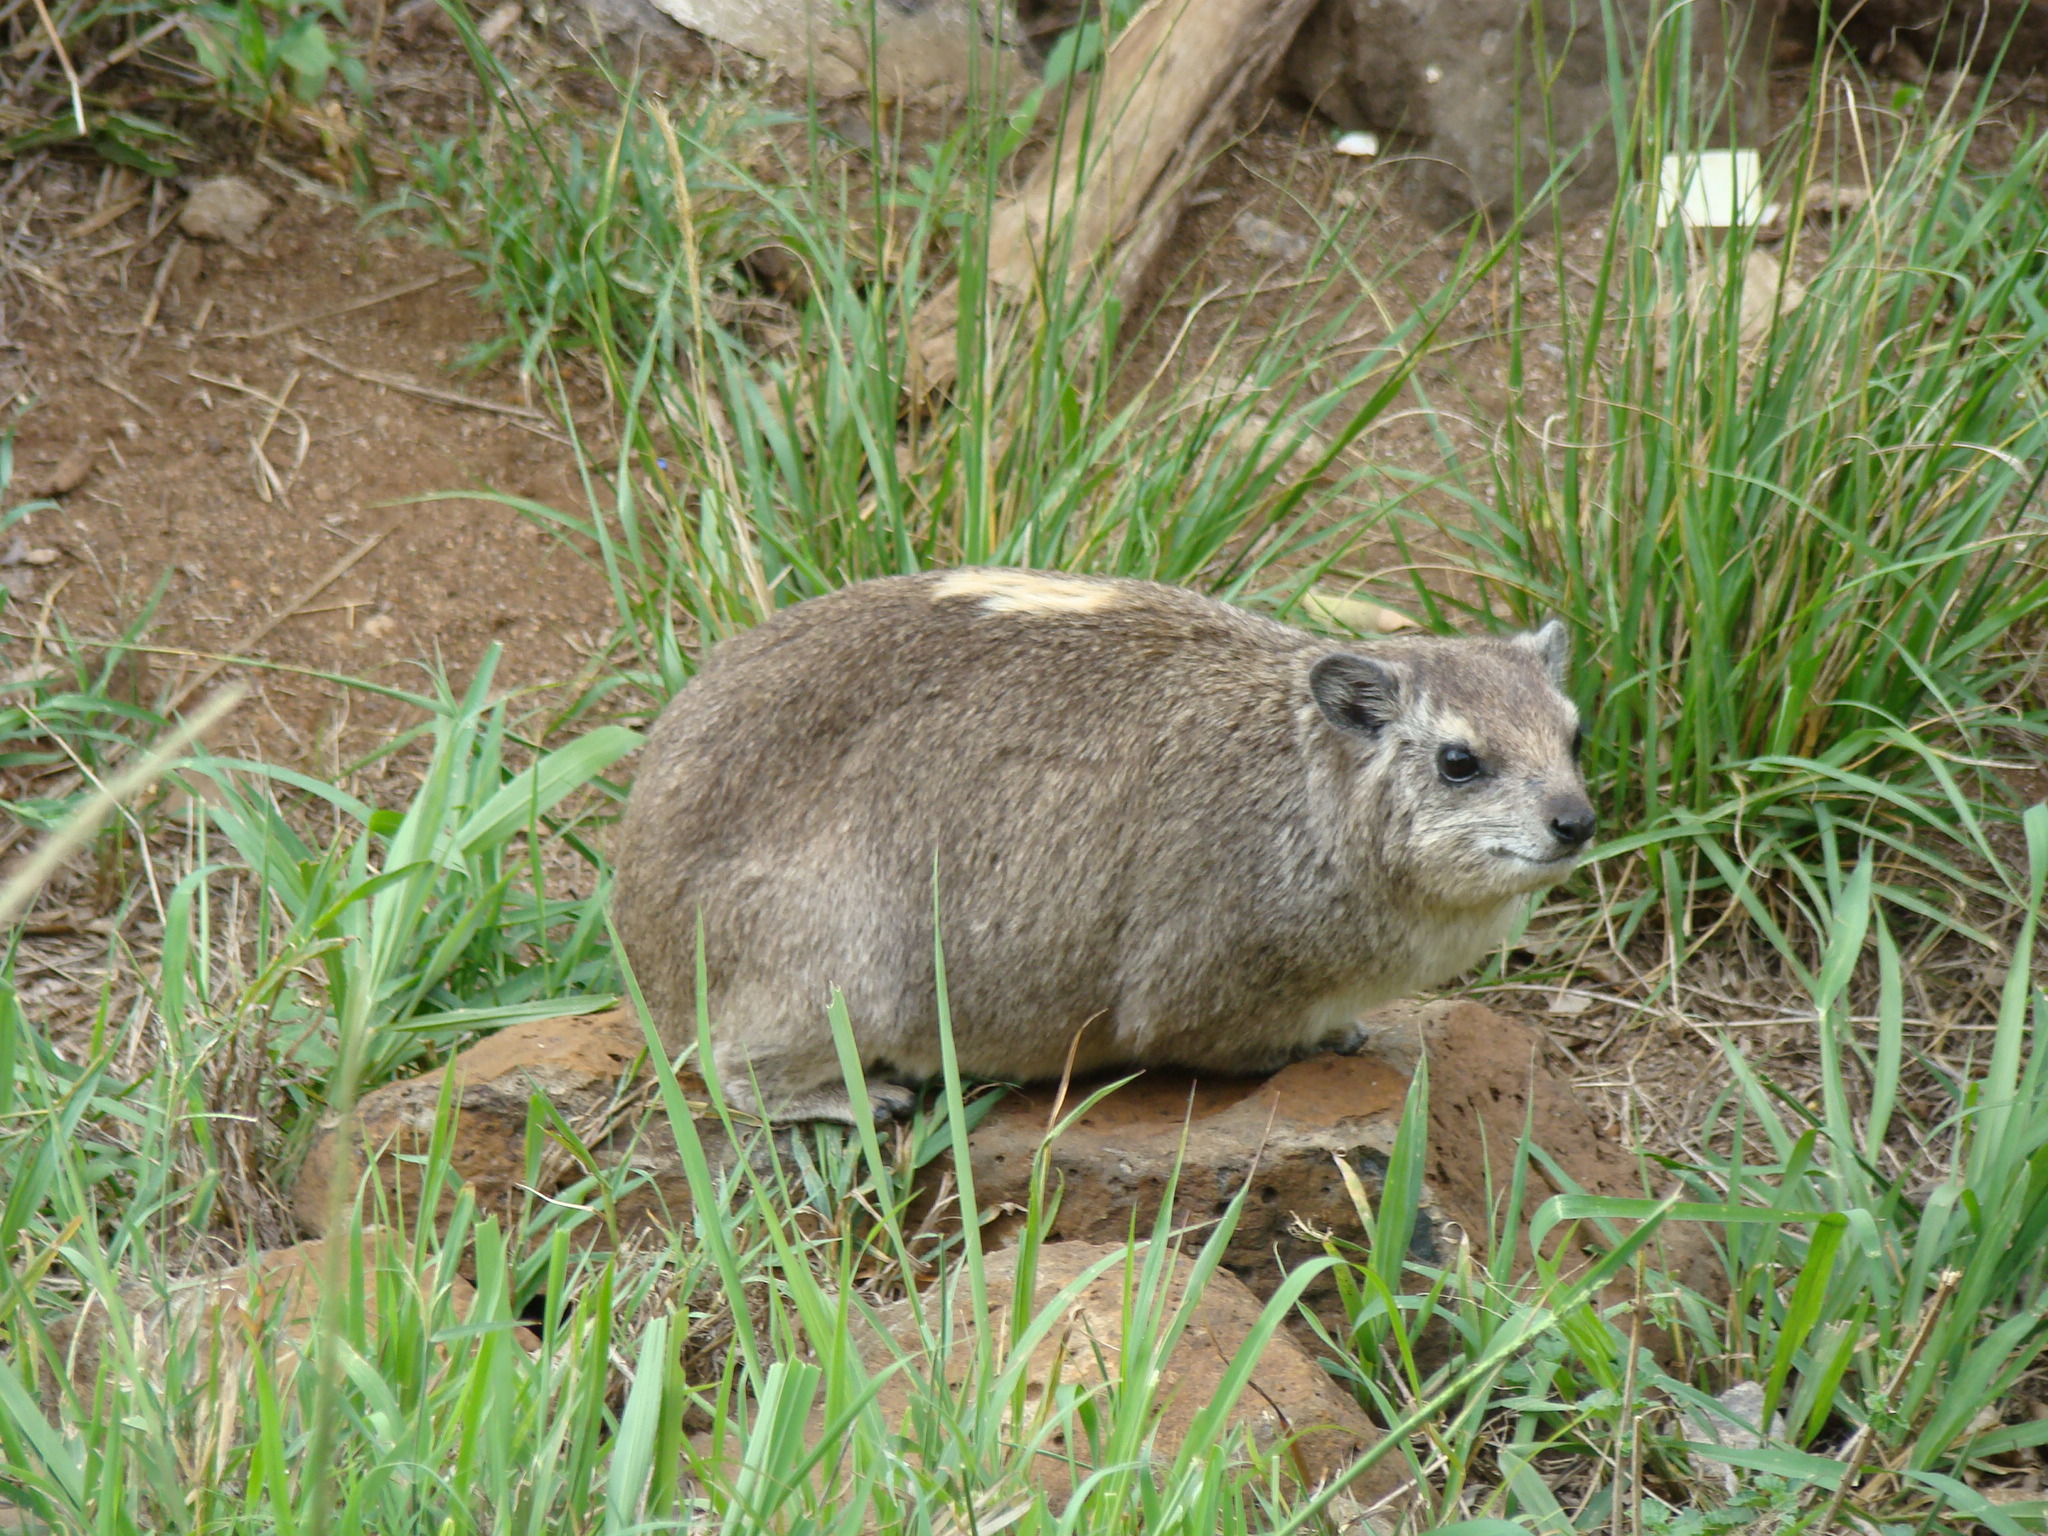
19 553
498 23
1768 292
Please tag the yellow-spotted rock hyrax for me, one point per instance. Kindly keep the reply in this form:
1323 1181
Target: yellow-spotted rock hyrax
1190 835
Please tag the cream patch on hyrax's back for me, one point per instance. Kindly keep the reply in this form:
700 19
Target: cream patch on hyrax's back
1025 592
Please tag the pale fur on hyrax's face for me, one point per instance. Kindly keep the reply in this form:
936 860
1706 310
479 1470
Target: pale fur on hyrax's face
1491 837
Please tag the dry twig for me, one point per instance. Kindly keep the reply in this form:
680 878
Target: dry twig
270 487
156 298
519 415
64 63
104 217
278 328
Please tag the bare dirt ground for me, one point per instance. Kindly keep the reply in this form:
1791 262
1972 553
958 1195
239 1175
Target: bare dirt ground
326 355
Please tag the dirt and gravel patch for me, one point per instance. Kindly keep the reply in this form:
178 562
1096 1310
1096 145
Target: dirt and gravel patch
237 434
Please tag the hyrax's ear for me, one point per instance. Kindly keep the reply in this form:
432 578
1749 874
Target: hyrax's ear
1552 645
1353 693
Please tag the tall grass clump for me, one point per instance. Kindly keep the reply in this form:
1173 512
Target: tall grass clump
1852 1336
774 450
92 76
1800 539
286 941
428 921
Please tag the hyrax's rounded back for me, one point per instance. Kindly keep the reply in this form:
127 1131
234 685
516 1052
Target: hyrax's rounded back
1176 830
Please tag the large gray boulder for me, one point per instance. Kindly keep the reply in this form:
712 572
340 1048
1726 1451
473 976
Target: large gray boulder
1490 96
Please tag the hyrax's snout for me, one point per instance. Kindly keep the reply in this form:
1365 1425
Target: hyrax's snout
1570 819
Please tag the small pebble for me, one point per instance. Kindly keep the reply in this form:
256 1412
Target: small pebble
1361 144
70 472
1262 237
225 208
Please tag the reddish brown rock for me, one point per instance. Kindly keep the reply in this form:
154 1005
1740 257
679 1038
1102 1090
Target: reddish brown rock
1278 1139
586 1066
1490 1078
211 1324
1290 1401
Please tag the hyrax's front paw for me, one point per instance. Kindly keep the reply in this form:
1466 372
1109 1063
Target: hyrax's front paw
1348 1041
889 1101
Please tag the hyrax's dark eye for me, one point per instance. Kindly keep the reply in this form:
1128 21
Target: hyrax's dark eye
1578 742
1458 765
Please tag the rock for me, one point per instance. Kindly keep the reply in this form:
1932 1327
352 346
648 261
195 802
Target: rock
71 472
1262 237
1281 1134
926 59
1456 76
218 1318
1209 1139
585 1066
225 208
19 552
1288 1400
1738 1427
1205 1138
921 51
1490 1077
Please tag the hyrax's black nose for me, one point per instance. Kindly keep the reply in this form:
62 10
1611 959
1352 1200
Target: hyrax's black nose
1572 823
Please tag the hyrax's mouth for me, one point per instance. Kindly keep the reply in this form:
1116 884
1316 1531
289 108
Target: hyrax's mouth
1555 861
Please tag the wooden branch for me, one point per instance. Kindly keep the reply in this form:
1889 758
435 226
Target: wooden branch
1112 194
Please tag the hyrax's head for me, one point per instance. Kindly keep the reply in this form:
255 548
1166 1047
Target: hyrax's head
1468 751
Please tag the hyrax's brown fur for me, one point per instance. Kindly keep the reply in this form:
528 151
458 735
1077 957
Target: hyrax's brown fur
1182 832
